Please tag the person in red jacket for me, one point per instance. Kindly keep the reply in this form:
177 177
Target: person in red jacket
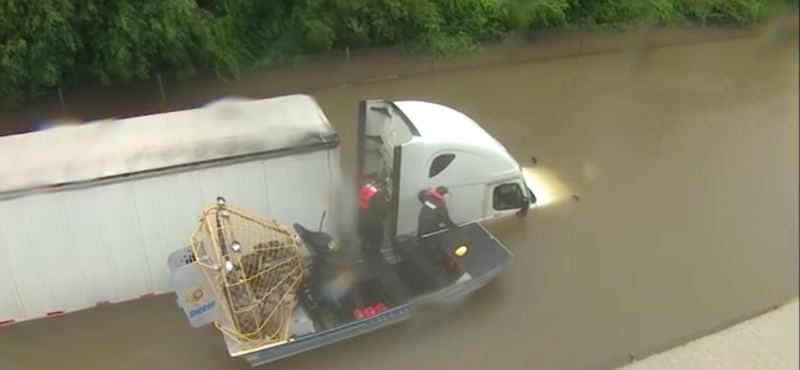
432 217
372 204
433 214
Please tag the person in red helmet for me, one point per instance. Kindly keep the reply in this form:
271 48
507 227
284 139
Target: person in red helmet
434 212
371 206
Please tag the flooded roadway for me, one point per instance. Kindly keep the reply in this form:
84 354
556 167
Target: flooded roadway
685 163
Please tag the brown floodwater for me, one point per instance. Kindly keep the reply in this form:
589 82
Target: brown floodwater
684 161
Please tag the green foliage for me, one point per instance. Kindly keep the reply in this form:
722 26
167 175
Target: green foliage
617 13
721 12
37 42
49 43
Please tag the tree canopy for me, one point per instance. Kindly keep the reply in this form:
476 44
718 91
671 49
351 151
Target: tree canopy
44 44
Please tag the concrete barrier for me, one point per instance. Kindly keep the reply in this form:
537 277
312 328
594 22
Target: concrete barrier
769 341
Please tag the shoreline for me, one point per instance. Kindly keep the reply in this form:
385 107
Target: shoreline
336 69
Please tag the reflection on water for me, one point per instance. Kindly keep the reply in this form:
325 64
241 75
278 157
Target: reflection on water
545 185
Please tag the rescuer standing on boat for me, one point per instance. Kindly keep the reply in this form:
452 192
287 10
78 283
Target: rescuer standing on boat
434 211
371 207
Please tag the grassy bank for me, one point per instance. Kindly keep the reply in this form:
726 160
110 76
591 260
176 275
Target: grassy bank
44 44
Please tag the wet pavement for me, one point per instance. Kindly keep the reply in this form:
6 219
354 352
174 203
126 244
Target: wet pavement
684 161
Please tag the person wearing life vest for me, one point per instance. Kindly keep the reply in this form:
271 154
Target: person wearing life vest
371 206
434 211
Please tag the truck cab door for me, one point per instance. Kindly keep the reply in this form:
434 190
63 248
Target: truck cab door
374 153
507 197
382 134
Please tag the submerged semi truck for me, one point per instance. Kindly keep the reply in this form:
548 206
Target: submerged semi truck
90 213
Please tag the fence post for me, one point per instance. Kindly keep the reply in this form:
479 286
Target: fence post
161 89
61 101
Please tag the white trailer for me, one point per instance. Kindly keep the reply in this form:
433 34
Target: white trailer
90 213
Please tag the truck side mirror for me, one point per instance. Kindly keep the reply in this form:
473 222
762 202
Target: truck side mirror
523 209
527 200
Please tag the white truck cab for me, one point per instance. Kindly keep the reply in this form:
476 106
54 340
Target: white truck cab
415 145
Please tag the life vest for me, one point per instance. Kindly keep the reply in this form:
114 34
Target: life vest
367 192
434 195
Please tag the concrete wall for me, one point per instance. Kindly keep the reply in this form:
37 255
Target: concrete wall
768 342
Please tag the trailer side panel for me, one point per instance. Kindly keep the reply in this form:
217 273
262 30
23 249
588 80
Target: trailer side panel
76 248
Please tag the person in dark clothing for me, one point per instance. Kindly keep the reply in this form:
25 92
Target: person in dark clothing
434 211
432 217
372 209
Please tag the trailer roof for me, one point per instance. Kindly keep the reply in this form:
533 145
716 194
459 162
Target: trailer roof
224 129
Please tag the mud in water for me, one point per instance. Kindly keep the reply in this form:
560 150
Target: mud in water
683 163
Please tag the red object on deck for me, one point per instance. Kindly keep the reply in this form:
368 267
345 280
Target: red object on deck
53 313
369 311
6 322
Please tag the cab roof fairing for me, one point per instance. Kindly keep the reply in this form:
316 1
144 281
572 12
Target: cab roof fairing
446 129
